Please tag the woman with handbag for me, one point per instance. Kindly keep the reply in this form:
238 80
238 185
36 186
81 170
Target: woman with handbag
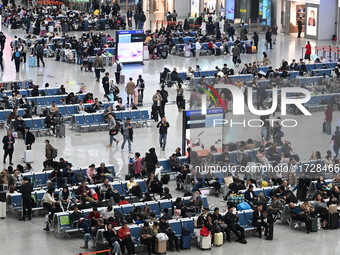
113 129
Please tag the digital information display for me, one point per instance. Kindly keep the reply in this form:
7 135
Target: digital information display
201 132
130 46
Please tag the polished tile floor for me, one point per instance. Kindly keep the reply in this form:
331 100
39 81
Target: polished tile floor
85 148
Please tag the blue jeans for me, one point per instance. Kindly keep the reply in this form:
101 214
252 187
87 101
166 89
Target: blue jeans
328 127
112 138
79 60
87 238
162 140
126 138
197 186
140 24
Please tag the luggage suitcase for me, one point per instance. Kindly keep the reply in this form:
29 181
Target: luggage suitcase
160 246
2 210
314 223
205 242
28 156
301 194
218 239
218 52
140 99
85 26
270 231
51 29
60 130
185 242
333 220
183 104
42 33
253 49
32 61
249 50
122 79
187 53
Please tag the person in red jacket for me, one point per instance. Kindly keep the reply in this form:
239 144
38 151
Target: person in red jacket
308 52
125 235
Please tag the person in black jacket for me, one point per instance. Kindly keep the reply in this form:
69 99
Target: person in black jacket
154 185
165 228
250 195
28 138
259 219
26 189
106 83
16 57
1 61
163 126
269 39
8 141
180 178
232 222
217 218
151 160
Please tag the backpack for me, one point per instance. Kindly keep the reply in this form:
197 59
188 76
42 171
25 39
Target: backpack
17 54
80 177
165 179
142 85
243 206
54 153
119 67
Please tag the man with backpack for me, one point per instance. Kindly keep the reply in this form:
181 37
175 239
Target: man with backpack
50 152
163 126
164 100
16 57
39 51
117 68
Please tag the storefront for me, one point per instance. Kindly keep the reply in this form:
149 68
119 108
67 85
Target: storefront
309 13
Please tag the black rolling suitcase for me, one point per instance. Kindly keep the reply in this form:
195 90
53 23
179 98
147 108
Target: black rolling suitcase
333 222
270 231
140 100
183 104
314 223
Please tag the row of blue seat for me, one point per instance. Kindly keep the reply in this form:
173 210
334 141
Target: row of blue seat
47 100
4 114
309 67
22 84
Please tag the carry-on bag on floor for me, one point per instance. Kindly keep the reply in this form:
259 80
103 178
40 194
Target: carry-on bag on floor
185 242
218 239
2 210
32 61
270 231
314 223
333 220
60 130
28 156
205 242
122 79
160 246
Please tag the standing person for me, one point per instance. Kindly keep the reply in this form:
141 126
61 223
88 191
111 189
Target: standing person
336 140
328 119
256 40
39 51
106 83
174 16
308 51
157 101
112 129
141 85
163 126
179 97
129 15
48 151
127 133
236 54
117 68
26 189
164 100
231 32
130 90
203 28
98 65
16 57
269 39
275 29
198 50
28 138
2 41
299 24
243 33
141 20
1 60
136 18
8 141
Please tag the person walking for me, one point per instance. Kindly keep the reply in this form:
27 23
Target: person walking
236 54
127 133
39 51
308 51
269 39
97 65
16 57
2 60
275 29
8 141
141 85
141 20
106 83
163 126
26 189
113 130
328 119
256 40
157 102
299 24
117 68
28 138
130 90
136 18
129 15
336 140
164 100
198 50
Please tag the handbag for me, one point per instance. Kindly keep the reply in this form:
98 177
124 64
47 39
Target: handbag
102 70
113 131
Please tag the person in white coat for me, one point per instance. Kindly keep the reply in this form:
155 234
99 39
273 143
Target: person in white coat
117 68
203 27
